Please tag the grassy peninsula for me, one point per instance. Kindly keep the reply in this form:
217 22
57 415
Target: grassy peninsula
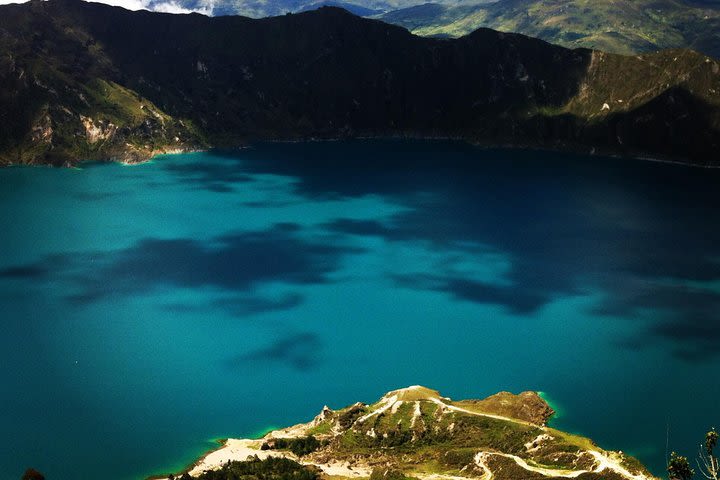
416 433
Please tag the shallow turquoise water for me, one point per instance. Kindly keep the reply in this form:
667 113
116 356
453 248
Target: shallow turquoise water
147 310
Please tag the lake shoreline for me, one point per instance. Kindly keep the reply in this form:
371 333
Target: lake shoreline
481 145
239 450
221 442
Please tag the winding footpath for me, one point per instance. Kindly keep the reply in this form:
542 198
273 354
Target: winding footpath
603 461
235 449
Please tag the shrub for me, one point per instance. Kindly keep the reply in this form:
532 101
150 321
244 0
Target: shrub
299 446
272 468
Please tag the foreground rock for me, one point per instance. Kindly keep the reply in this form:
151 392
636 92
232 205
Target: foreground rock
419 433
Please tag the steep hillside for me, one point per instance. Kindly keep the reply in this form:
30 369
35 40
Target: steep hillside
81 81
417 433
59 101
617 26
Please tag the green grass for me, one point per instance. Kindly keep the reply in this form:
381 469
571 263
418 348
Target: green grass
459 457
625 27
427 411
412 394
323 428
269 469
355 442
582 443
299 446
633 464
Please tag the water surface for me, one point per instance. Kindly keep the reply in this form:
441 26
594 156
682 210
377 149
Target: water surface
147 310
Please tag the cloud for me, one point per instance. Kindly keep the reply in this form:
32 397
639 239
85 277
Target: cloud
172 6
127 4
204 7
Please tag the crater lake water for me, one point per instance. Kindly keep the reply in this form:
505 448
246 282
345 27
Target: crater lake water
148 310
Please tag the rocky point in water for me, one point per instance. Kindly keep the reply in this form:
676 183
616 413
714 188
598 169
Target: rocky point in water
416 433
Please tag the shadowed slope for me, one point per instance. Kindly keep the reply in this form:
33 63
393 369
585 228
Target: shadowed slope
229 80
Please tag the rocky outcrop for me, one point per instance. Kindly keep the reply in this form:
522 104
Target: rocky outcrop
96 132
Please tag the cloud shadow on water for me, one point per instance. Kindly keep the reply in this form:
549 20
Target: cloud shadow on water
241 305
24 272
300 351
520 301
96 196
215 174
636 231
234 263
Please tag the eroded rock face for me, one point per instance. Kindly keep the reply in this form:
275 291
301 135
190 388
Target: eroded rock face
97 131
42 131
325 414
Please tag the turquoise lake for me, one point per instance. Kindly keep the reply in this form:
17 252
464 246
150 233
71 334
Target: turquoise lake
148 310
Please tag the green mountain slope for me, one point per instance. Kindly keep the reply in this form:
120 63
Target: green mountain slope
267 8
417 433
618 26
60 101
88 81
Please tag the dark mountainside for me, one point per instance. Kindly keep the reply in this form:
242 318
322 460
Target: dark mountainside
83 81
352 8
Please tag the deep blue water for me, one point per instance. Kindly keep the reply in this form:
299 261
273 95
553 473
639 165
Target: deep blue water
147 310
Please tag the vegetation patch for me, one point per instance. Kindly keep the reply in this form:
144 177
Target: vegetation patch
389 474
299 446
323 428
348 417
272 468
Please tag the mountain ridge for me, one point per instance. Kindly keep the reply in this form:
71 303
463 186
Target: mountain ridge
608 25
264 8
181 82
616 26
